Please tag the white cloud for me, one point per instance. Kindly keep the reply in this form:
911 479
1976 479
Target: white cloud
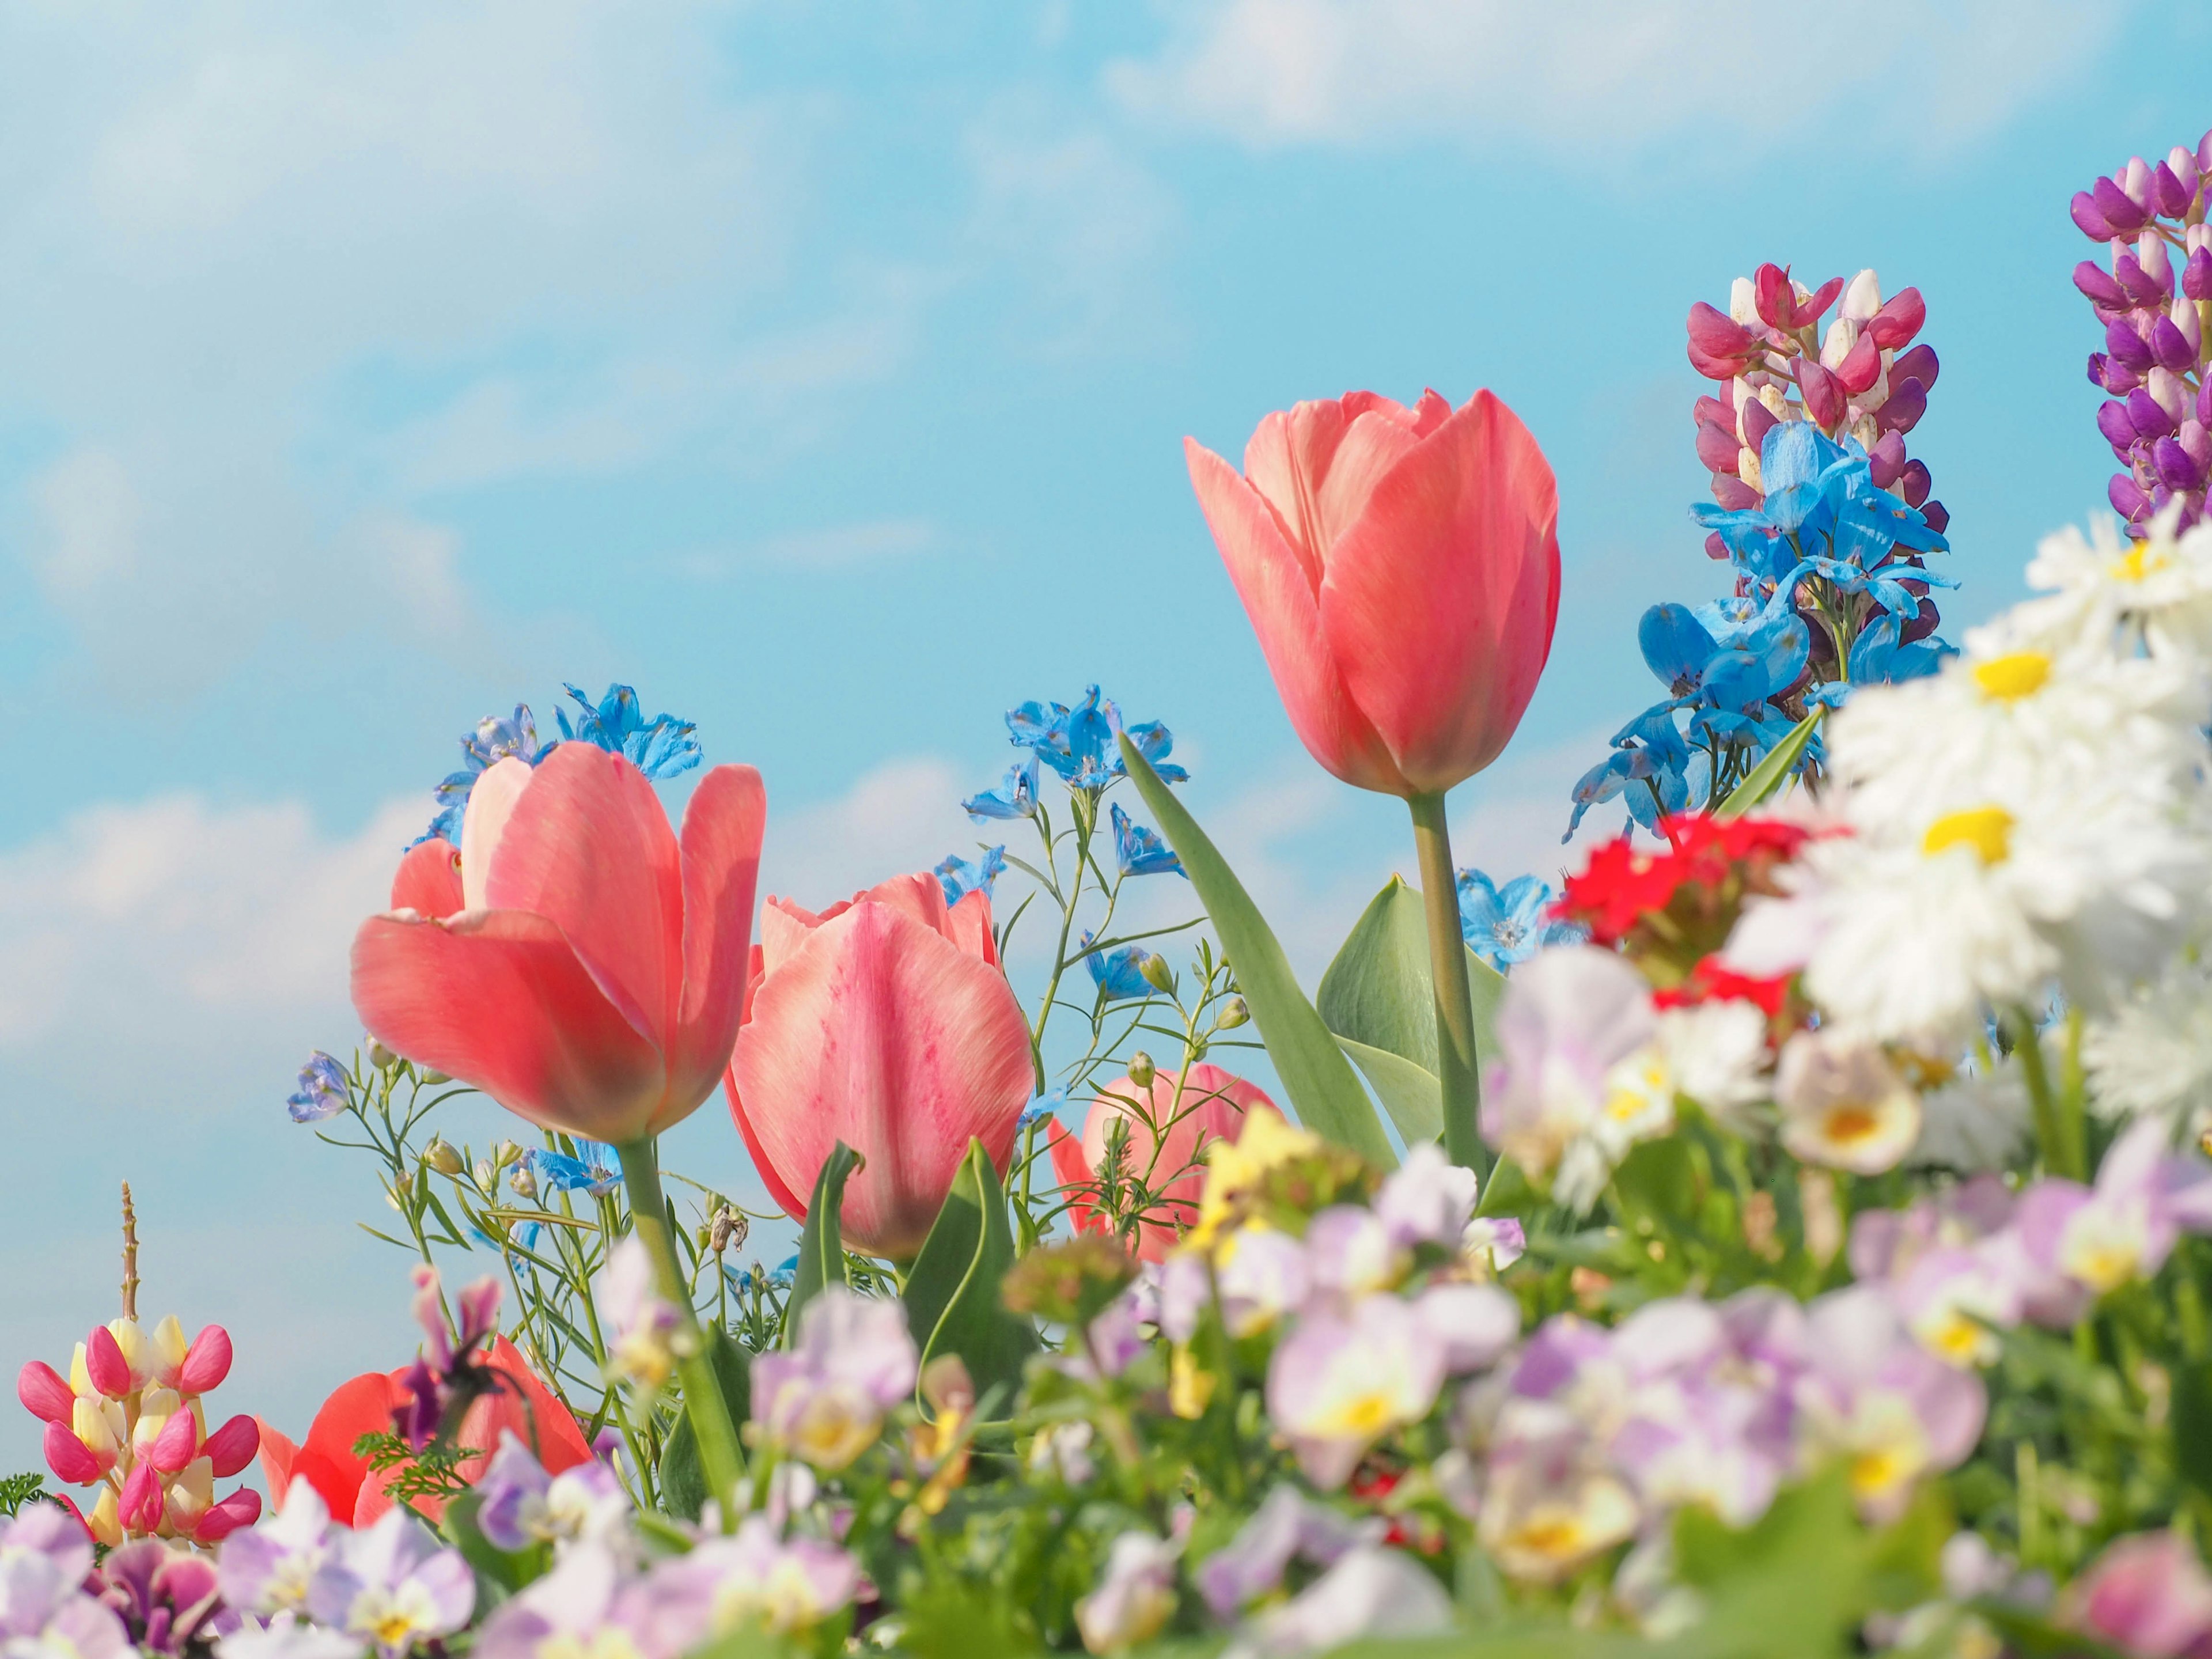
90 521
902 816
1590 77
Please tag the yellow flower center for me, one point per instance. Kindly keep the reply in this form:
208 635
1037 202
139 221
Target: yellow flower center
1852 1124
1987 830
1362 1417
1882 1469
1556 1537
2140 562
2015 675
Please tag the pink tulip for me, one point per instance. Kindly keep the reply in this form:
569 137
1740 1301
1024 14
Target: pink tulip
593 978
887 1024
1401 568
1169 1128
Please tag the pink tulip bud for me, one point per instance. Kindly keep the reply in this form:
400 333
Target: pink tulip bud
2128 501
2197 275
43 1392
1824 397
1898 320
2088 219
241 1509
2167 193
104 1364
68 1457
207 1362
2102 289
232 1446
1717 448
175 1445
1906 404
2119 209
1756 421
142 1504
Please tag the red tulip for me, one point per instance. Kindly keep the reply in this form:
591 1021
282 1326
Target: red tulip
1401 568
884 1022
1169 1127
593 977
356 1494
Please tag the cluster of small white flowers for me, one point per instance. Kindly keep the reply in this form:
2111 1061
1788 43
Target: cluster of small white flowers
2033 817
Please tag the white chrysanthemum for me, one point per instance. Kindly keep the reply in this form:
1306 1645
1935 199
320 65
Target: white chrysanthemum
2101 584
1717 1054
1976 1120
2152 1056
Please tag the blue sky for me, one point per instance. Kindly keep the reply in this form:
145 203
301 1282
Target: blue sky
822 370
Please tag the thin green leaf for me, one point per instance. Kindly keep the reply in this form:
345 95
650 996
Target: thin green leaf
1767 777
1324 1090
683 1476
822 1246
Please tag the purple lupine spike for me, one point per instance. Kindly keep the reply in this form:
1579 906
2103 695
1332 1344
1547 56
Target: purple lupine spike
2196 438
1918 364
2182 165
1886 460
1913 483
2088 220
2204 152
2178 469
2197 275
2119 210
2127 499
2168 193
2171 347
2128 347
2098 284
1939 520
2158 265
2119 379
2142 286
2119 430
1906 404
2149 415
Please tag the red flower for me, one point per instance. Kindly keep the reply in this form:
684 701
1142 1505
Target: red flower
1670 908
356 1494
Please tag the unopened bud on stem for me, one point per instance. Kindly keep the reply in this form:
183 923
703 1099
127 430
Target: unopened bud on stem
1141 1069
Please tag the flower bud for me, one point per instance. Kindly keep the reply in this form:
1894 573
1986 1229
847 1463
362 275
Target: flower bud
505 1153
524 1182
2183 315
729 1230
2167 193
2171 346
434 1078
2197 275
2173 394
485 1173
2128 501
2147 415
2119 209
381 1057
2151 256
2099 290
2136 181
1863 297
232 1446
1156 973
1141 1069
2182 164
2088 219
1743 302
440 1156
2127 347
2119 429
1234 1013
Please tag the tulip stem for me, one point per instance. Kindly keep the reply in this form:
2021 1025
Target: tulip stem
718 1456
1457 1077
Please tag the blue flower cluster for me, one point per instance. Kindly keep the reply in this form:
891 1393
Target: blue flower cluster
1510 924
324 1090
959 878
662 747
598 1170
1832 591
1078 745
1119 973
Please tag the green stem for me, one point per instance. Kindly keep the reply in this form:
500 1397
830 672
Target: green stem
1456 1061
2062 1154
694 1370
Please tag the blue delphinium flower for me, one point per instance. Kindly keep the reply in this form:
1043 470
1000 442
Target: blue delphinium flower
959 878
662 747
1042 1108
598 1171
1506 925
1140 851
1016 798
325 1090
1079 744
1119 974
495 738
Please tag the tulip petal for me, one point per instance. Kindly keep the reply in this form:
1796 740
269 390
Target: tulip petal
492 802
429 879
1075 1177
786 1199
589 848
890 1037
278 1456
1439 603
1281 600
1163 1146
1316 464
968 925
720 848
498 999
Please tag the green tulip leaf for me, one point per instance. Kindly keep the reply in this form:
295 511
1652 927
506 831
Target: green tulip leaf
822 1246
1378 998
952 1301
1767 777
1324 1090
683 1476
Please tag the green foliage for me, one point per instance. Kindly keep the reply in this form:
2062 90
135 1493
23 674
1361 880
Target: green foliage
1766 779
683 1485
433 1471
1378 997
17 1490
1324 1090
822 1246
953 1302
